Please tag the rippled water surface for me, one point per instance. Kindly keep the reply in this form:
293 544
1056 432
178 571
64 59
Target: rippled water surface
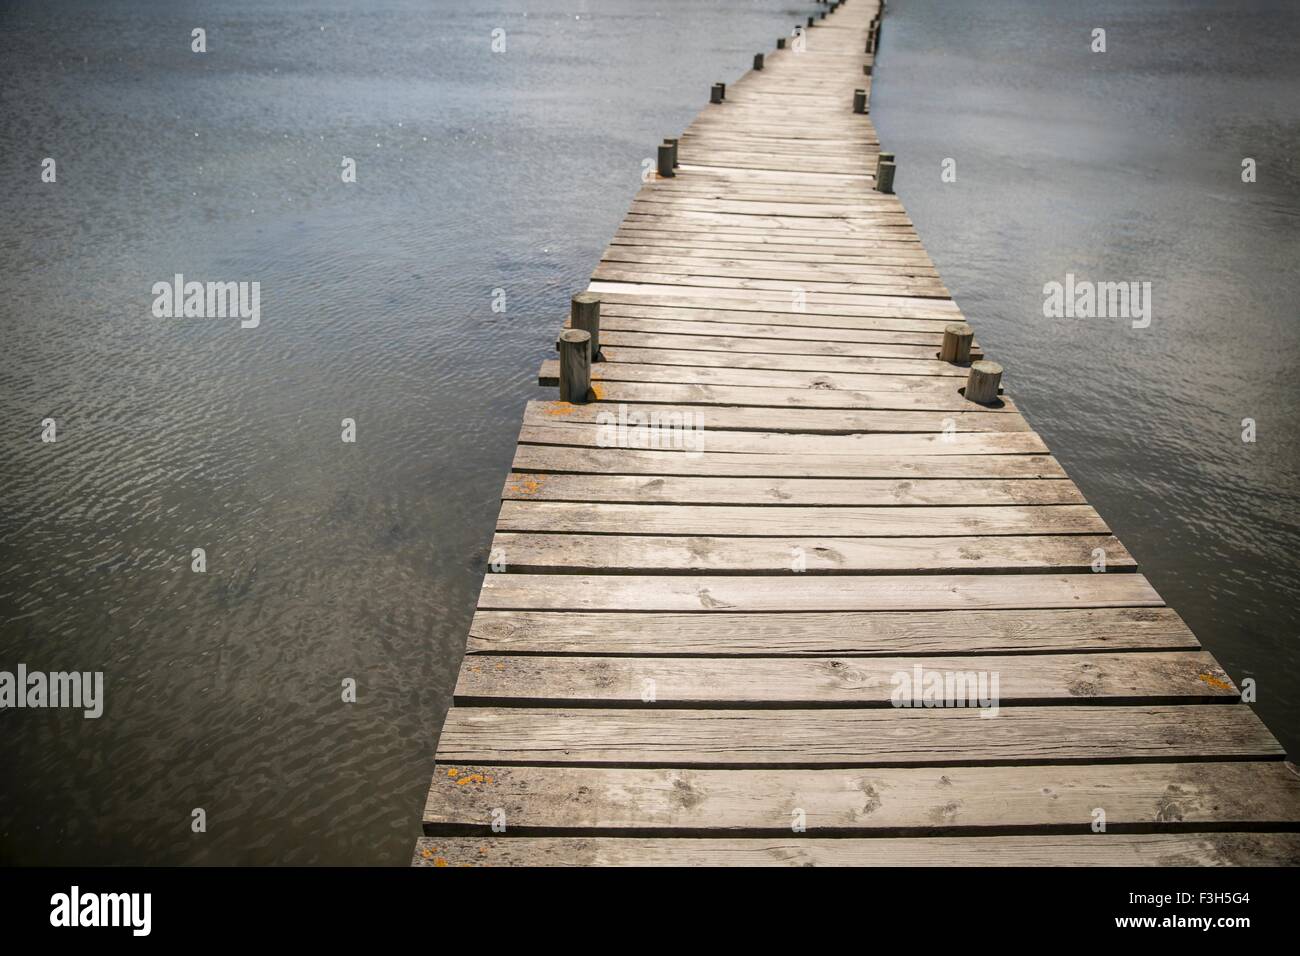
478 172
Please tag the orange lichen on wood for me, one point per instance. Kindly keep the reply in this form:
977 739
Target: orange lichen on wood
527 484
1215 682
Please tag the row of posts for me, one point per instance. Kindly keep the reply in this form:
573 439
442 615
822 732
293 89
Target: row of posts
579 345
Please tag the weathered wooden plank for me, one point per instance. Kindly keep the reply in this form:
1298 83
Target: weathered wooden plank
813 304
820 364
881 800
828 634
526 486
706 442
626 461
694 553
612 408
704 341
932 337
1092 849
985 682
898 388
721 593
862 737
759 521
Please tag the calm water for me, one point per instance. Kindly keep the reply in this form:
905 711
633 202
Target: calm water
481 171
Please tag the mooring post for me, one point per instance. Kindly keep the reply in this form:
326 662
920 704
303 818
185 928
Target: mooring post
780 43
983 381
673 143
882 158
859 101
584 314
666 160
758 61
885 178
811 21
866 69
956 343
715 95
575 366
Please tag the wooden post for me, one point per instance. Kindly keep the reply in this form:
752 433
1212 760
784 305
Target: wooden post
715 95
885 178
575 366
811 21
758 61
780 43
983 381
883 158
859 101
666 161
584 314
866 69
673 144
956 343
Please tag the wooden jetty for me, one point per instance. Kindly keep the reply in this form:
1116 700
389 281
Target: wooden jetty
693 653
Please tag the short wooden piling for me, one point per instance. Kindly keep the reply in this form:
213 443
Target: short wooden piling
957 339
780 43
885 178
575 366
666 160
758 61
715 94
983 381
883 158
859 101
672 141
584 314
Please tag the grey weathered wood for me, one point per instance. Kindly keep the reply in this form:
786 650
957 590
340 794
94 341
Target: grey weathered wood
1090 849
800 633
885 799
866 737
665 158
591 435
957 339
660 489
983 382
1178 677
794 464
718 594
885 177
575 365
584 314
889 522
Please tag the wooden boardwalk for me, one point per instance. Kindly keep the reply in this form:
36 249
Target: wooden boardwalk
691 656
